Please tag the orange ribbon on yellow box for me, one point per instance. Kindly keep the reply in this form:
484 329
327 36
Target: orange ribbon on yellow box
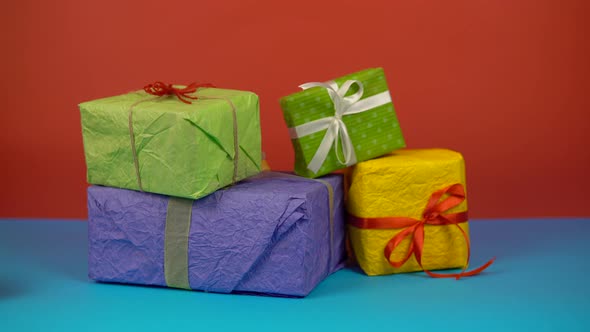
434 214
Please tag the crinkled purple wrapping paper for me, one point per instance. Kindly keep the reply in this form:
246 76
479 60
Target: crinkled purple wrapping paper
268 234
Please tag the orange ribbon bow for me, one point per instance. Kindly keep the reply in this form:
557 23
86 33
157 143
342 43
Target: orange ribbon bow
433 215
161 89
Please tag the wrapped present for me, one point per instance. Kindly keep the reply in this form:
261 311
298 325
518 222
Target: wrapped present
187 145
341 122
275 234
408 212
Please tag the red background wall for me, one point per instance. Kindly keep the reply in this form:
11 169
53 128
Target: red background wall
504 82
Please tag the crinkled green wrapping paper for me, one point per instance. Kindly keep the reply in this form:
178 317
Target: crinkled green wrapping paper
373 133
183 150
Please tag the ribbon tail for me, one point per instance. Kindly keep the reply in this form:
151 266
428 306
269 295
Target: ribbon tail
468 244
190 97
180 96
394 242
322 152
347 148
337 140
418 243
461 274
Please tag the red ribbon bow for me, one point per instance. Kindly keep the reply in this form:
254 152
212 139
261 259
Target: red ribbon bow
162 89
433 215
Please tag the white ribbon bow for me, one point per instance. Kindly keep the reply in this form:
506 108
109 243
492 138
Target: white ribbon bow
336 129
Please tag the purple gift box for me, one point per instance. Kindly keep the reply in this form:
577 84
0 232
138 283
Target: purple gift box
271 234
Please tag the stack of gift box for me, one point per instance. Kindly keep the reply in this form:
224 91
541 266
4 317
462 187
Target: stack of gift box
182 197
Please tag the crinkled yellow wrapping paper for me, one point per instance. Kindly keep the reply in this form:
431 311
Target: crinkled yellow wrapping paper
399 185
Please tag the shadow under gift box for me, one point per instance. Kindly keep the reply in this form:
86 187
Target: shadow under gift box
400 185
183 150
268 234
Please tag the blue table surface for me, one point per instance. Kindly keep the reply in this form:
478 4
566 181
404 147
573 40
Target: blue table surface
538 282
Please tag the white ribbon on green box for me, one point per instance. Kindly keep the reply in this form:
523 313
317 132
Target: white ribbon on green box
336 128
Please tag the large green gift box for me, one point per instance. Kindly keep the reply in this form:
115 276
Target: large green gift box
338 123
182 149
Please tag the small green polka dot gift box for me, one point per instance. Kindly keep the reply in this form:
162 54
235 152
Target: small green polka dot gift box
338 123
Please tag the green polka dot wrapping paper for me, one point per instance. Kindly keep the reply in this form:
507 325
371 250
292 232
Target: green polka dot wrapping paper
354 113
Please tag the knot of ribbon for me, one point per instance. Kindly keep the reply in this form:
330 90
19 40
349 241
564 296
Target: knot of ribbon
160 89
434 214
336 131
183 94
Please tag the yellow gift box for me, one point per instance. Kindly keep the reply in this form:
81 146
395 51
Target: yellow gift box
401 185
